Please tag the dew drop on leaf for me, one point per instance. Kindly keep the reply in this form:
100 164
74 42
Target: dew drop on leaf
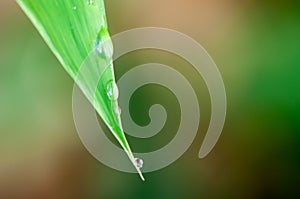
118 110
91 2
104 48
112 90
139 162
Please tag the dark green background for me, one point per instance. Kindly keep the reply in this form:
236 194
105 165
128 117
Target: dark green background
256 46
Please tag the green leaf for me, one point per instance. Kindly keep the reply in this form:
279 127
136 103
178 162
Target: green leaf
76 31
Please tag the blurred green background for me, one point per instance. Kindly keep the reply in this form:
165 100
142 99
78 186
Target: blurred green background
256 45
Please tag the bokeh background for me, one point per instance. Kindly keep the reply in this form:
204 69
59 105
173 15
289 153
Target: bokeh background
256 45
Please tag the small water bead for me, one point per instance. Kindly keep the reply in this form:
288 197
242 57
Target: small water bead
112 90
139 162
91 2
104 48
118 110
103 20
74 7
103 45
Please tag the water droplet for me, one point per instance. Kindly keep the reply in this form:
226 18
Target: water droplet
118 110
139 162
112 90
104 47
103 20
74 7
91 2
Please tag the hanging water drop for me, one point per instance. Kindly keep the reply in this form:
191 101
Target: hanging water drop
139 162
112 90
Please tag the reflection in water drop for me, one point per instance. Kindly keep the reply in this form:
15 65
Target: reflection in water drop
112 90
139 162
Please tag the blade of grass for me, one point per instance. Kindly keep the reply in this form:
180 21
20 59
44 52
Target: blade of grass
73 29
